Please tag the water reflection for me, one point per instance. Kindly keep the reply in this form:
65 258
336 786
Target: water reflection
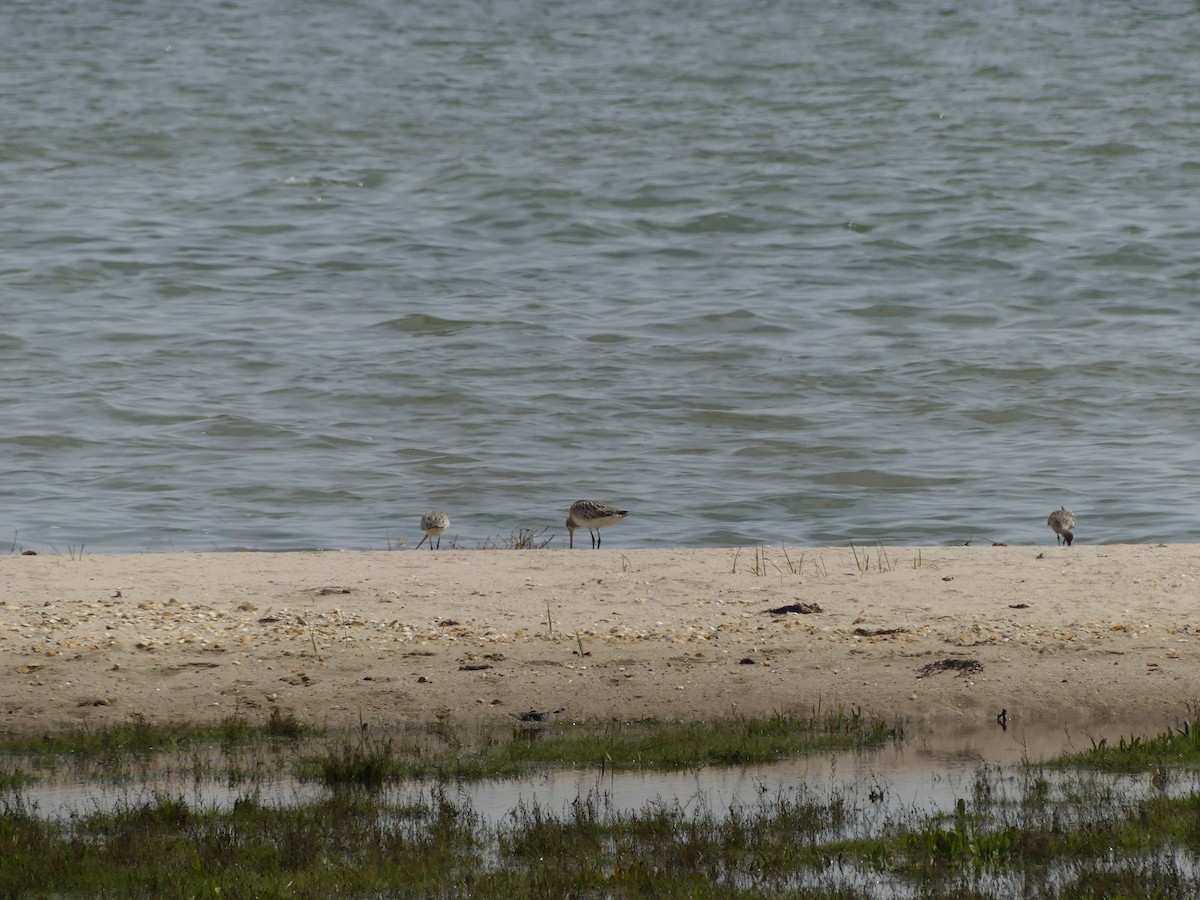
928 772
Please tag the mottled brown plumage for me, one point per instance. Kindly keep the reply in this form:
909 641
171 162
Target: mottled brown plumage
433 524
1063 523
592 515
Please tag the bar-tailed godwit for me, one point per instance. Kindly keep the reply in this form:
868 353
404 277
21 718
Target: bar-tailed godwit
1063 523
433 524
592 515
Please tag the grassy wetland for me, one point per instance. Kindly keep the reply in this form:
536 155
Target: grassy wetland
278 809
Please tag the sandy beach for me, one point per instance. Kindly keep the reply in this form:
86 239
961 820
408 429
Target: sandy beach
936 634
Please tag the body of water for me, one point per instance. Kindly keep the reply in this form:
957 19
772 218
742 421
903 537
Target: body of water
287 275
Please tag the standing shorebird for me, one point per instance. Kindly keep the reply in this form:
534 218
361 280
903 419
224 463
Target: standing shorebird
592 515
1063 523
433 524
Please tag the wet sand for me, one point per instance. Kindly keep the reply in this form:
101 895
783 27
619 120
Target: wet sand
1054 635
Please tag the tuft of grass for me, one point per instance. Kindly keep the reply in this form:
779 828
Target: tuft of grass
12 778
1178 746
286 727
362 764
520 538
795 567
883 563
760 563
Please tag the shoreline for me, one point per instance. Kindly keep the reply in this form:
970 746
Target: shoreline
1065 636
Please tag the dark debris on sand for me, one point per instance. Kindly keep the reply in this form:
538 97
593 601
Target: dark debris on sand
961 666
806 609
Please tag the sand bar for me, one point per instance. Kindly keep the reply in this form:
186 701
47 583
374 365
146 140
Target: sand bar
1078 635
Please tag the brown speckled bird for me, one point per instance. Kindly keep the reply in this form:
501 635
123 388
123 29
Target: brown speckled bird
433 524
1063 523
592 515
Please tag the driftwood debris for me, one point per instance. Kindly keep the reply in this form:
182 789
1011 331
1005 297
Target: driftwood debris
806 609
953 664
537 715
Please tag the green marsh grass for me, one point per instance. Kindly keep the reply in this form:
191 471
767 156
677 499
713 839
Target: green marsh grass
790 844
12 778
129 750
343 846
1099 823
642 744
1179 746
141 736
1073 827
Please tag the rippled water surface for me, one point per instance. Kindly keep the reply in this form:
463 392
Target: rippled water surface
287 275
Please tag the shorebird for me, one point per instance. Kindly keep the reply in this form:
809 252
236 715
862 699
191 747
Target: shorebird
433 524
1063 523
592 515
